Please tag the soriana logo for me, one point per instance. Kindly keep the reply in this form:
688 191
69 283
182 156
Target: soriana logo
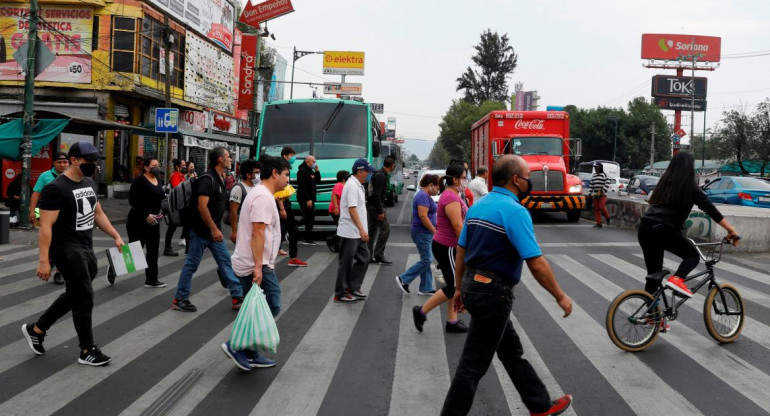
681 47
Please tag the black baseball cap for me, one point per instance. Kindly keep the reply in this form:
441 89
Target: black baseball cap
60 156
85 150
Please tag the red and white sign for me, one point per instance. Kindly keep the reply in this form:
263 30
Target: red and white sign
224 123
246 79
253 15
681 133
192 120
530 124
684 47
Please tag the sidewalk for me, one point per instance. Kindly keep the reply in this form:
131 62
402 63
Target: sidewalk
116 210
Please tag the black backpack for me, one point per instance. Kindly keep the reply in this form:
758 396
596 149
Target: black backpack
226 215
180 200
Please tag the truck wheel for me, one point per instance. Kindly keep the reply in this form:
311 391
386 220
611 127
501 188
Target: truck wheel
573 215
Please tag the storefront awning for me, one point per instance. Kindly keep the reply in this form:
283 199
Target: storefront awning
197 134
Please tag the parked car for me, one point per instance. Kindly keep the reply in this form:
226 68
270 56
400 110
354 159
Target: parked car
739 190
622 184
642 184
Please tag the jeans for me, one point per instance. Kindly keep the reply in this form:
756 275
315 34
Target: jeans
269 285
490 331
353 264
379 231
655 238
195 246
78 268
423 242
149 236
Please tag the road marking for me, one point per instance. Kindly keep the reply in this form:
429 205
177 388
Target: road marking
515 405
17 352
58 390
209 358
552 245
744 378
10 247
637 384
301 385
752 329
403 208
421 378
29 281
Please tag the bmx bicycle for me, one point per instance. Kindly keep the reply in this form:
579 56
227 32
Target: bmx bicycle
634 317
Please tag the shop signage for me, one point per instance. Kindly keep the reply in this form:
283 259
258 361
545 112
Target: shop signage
671 103
254 14
192 120
681 47
208 75
246 82
343 63
340 88
673 86
224 123
214 19
66 34
377 108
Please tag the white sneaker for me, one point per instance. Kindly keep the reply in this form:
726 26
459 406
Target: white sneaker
182 242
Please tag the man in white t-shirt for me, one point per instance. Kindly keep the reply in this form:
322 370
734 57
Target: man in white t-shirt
354 235
249 179
259 238
478 185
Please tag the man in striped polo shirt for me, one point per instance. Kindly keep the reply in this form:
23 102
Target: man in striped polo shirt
497 238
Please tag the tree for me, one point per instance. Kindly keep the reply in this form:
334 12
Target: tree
495 60
413 158
454 140
735 136
761 122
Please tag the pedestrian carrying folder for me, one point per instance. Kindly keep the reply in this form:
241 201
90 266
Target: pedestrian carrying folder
130 259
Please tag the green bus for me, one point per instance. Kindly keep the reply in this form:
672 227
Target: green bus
335 131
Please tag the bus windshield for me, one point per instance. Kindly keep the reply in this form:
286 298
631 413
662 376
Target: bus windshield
551 146
328 130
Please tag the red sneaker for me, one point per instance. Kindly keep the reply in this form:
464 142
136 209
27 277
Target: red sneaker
559 406
297 263
237 302
677 283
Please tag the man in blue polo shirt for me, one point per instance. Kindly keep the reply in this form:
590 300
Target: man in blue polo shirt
497 238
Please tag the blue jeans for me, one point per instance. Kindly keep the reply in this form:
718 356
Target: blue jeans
269 285
421 268
195 247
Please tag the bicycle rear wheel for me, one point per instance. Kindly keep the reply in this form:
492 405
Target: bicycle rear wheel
629 326
724 319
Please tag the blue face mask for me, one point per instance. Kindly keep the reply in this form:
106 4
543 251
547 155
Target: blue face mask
292 159
369 177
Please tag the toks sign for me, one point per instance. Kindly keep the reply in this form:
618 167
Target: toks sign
672 86
684 47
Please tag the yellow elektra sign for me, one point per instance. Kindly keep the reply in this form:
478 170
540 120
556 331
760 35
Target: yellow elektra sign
343 63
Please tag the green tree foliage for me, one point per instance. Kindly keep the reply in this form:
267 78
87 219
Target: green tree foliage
596 128
762 134
735 136
455 131
413 158
495 60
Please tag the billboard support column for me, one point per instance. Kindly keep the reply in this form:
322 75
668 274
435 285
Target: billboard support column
677 113
29 109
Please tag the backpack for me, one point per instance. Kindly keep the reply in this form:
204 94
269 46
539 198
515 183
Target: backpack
226 215
180 200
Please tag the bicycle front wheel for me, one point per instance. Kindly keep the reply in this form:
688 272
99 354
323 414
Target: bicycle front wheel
724 318
630 326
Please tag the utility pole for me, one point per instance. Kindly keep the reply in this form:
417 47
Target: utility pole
296 55
29 110
652 146
168 39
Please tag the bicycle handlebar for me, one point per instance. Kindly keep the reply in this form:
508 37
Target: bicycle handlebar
721 244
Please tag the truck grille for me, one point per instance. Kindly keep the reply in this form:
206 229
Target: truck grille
322 188
555 181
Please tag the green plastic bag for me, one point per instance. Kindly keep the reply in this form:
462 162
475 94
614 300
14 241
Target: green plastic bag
254 327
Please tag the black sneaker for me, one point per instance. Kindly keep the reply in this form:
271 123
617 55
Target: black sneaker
359 295
401 285
34 340
608 221
58 278
419 318
597 226
308 242
383 260
110 275
457 327
170 252
94 357
183 305
155 285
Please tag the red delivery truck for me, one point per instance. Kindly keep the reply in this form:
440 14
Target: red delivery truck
542 139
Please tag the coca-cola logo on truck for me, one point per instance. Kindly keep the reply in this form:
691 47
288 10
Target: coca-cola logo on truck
530 124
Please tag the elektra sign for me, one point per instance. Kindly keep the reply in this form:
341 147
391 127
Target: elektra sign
681 47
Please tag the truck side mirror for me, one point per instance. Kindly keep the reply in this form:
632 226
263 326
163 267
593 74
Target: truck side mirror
376 148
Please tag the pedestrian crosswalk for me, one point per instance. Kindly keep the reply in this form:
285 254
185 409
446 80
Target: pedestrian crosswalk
167 362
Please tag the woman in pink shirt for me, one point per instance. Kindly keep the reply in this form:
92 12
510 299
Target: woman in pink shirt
334 208
449 223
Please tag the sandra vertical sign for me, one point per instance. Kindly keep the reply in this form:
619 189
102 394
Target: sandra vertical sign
246 81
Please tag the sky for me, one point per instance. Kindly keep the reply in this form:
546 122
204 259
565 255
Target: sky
585 53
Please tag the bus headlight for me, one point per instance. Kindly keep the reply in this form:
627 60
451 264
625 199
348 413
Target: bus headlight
576 189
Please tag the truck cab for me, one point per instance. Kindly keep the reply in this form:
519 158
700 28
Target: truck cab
542 139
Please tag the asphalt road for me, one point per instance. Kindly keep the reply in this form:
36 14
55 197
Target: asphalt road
367 358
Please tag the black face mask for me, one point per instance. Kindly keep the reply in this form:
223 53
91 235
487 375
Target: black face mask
523 194
155 172
183 170
88 169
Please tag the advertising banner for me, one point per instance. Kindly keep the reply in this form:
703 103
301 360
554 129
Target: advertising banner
208 75
253 15
684 47
277 82
224 123
246 82
672 86
669 103
346 89
343 63
66 33
214 19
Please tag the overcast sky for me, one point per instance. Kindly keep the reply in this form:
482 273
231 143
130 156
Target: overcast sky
585 53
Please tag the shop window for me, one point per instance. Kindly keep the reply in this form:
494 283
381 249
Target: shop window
95 34
149 59
123 44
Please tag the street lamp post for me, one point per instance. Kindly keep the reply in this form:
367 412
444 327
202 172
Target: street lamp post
297 54
615 143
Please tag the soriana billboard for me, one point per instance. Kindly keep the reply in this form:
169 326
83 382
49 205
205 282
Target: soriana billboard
676 47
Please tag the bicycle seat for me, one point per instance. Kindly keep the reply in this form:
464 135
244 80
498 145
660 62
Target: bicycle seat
657 277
